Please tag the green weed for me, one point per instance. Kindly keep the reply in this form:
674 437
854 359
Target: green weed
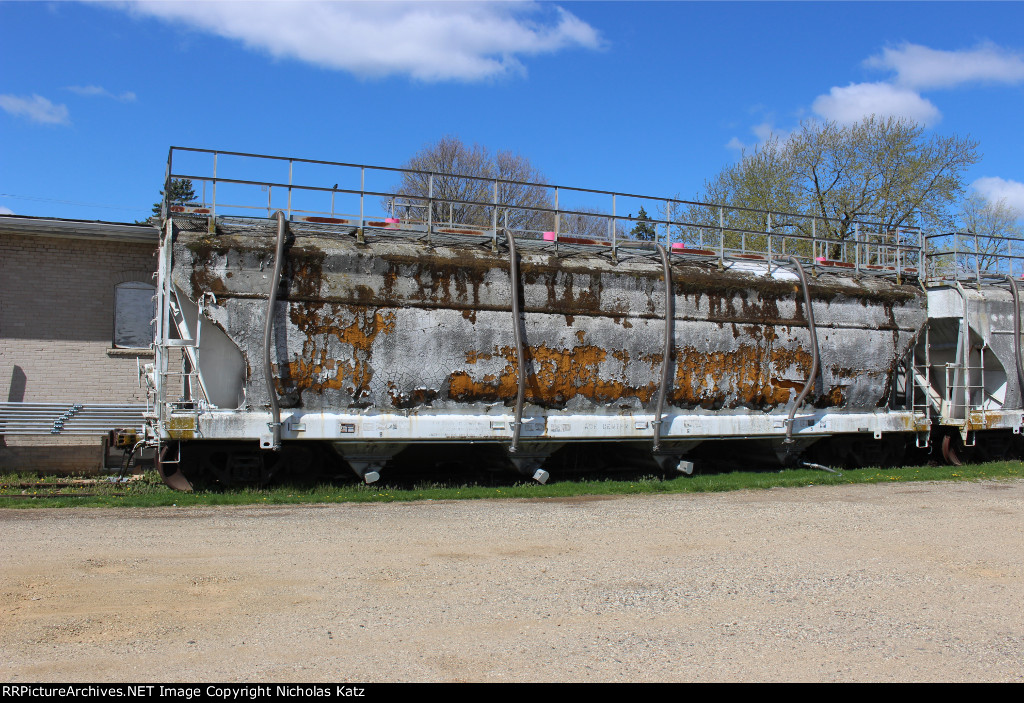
28 490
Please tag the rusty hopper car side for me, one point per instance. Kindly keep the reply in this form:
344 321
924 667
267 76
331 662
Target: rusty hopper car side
384 333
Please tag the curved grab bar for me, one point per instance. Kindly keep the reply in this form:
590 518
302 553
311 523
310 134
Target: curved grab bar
518 334
666 353
809 312
275 282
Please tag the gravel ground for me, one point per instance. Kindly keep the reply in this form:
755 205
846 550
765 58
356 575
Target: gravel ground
912 582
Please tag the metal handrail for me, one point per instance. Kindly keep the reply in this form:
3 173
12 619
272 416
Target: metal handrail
537 184
970 256
884 250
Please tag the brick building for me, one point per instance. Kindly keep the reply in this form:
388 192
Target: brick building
75 316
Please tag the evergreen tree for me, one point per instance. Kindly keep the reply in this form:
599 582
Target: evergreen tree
643 230
180 192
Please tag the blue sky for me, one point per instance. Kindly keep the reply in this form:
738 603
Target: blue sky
649 98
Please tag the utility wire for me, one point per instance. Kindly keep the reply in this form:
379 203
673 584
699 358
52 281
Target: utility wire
72 202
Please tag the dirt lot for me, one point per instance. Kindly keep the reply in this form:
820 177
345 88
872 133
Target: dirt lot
874 582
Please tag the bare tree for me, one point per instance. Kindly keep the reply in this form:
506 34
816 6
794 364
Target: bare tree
988 230
589 223
461 180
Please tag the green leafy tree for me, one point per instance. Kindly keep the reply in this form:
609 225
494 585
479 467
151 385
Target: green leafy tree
643 230
887 171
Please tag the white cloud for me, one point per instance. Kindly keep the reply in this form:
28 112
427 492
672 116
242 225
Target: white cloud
763 132
35 109
858 100
920 67
92 91
736 144
5 211
917 68
995 189
433 41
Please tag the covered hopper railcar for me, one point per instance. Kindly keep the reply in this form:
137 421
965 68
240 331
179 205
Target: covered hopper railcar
305 328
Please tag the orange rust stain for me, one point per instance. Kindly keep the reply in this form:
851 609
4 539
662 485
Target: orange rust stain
580 334
472 356
834 398
415 398
557 376
746 376
314 371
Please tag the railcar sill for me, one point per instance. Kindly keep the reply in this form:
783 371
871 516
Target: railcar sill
128 353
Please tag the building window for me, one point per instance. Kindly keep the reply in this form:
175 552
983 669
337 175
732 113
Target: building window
134 310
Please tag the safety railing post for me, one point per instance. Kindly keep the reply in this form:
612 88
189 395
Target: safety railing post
213 193
856 247
721 237
291 165
557 220
615 228
956 254
977 259
164 208
814 246
430 206
494 216
922 254
668 231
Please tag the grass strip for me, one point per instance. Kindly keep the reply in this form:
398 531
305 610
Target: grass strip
18 490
